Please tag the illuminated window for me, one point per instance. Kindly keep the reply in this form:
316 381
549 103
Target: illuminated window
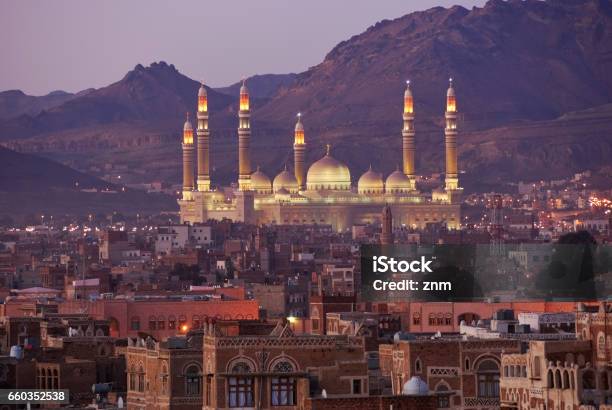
193 381
283 387
240 386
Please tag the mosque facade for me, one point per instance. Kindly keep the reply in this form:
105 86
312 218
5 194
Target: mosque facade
323 193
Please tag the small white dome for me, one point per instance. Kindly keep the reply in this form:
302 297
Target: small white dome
408 92
286 180
202 91
451 91
415 387
260 182
187 126
397 182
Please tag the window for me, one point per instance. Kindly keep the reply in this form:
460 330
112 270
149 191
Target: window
315 324
161 323
467 364
132 377
417 366
283 387
537 367
416 319
171 322
193 381
135 323
356 386
141 379
240 386
164 379
152 323
443 396
488 379
208 392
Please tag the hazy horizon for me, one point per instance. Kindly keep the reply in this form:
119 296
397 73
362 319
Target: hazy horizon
72 45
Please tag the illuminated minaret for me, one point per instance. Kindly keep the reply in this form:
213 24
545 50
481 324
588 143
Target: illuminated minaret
188 173
203 141
408 136
450 139
299 149
244 136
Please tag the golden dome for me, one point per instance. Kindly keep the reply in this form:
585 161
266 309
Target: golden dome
260 182
328 173
371 182
285 181
397 182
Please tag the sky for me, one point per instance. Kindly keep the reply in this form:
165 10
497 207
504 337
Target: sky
72 45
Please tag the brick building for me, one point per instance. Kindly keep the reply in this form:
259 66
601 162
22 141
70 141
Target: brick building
464 374
563 374
262 365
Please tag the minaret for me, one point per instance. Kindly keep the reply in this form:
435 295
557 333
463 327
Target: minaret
299 151
450 134
386 237
203 141
244 137
188 173
408 136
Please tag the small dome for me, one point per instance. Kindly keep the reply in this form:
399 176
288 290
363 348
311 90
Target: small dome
328 173
298 125
285 180
408 92
451 91
202 91
371 182
243 88
397 182
187 126
415 387
260 182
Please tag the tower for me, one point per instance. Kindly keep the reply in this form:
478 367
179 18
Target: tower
408 136
299 151
450 139
203 133
244 137
188 173
386 236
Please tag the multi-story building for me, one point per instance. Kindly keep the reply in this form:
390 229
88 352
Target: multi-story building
174 237
465 374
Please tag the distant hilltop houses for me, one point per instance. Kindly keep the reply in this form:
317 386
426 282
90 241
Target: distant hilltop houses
322 193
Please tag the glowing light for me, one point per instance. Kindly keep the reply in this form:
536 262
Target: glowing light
408 105
188 137
202 103
244 101
292 319
184 328
451 103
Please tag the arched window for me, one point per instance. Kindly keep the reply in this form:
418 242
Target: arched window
488 378
240 386
506 372
171 322
283 386
558 384
152 323
566 380
193 380
132 378
417 366
161 322
195 321
511 371
467 364
588 380
537 370
141 379
49 379
443 396
523 371
550 383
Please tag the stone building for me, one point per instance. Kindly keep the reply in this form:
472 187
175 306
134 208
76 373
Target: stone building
464 374
262 365
563 374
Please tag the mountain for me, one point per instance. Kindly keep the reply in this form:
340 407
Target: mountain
519 68
14 103
509 60
261 86
33 185
25 172
157 96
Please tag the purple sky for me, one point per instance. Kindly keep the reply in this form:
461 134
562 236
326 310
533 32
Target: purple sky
76 44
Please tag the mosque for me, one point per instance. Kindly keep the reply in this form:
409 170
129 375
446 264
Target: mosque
323 194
